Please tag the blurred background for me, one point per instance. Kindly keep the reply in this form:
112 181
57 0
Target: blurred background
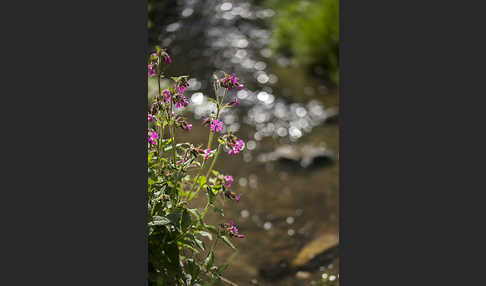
286 54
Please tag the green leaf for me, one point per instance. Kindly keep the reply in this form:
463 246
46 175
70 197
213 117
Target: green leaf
186 220
212 100
228 242
206 234
210 195
151 181
218 210
208 263
159 220
222 268
202 180
175 218
168 148
192 268
212 229
199 243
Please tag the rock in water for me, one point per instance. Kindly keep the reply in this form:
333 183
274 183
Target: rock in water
332 115
319 251
299 156
302 275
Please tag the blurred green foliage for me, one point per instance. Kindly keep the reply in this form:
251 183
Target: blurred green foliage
309 31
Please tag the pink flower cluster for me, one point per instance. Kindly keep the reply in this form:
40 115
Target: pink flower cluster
151 70
155 61
166 95
228 180
230 81
207 152
150 117
166 57
180 100
216 125
232 229
235 148
152 138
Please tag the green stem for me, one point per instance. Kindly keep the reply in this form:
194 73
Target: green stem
214 161
173 143
210 168
205 209
221 103
210 140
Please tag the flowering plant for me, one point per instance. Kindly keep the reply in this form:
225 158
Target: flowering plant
177 172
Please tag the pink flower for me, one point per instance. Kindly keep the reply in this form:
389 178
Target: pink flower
230 81
152 138
167 59
150 117
181 101
228 180
166 94
216 125
187 127
235 102
207 152
233 78
238 197
151 70
236 147
180 89
233 230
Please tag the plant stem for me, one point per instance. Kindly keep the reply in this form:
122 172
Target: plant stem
210 168
210 140
173 143
221 103
205 209
214 160
227 281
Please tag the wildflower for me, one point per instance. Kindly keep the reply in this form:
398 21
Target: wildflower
216 125
181 84
207 152
155 108
180 89
232 229
151 70
235 102
232 196
166 94
150 117
152 138
182 123
228 180
238 197
180 100
235 148
230 81
166 57
188 127
206 121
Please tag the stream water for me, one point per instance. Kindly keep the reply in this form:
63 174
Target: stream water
282 207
